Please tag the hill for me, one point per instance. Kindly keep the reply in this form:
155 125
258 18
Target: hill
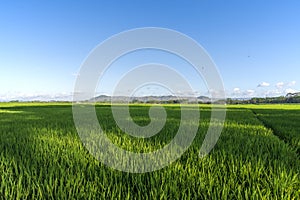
152 99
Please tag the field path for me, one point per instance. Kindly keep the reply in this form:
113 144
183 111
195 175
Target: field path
282 126
269 126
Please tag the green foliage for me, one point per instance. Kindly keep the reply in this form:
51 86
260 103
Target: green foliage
267 100
42 157
285 124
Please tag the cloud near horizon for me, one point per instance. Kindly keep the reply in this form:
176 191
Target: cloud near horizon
279 89
292 83
236 90
279 85
19 96
290 90
264 84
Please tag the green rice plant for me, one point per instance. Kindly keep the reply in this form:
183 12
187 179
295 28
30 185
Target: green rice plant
284 123
42 157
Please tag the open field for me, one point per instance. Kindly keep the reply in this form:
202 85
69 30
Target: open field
256 157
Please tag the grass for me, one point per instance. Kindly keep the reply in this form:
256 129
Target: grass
42 157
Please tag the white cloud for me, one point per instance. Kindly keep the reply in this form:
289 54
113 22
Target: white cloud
37 96
250 92
217 94
273 93
290 90
278 89
264 84
292 83
236 90
279 84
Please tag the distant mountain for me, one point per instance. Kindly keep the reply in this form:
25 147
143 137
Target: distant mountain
289 98
152 99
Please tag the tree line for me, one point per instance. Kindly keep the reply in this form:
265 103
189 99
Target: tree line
267 100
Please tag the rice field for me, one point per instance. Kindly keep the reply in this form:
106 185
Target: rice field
256 157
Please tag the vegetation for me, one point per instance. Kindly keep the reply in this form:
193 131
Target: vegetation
269 100
285 124
42 157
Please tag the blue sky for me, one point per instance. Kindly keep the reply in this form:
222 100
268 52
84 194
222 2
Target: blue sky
255 44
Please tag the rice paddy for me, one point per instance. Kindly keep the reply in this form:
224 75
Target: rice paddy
256 157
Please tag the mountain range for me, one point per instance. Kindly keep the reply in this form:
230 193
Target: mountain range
149 99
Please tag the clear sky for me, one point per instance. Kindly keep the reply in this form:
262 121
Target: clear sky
255 44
